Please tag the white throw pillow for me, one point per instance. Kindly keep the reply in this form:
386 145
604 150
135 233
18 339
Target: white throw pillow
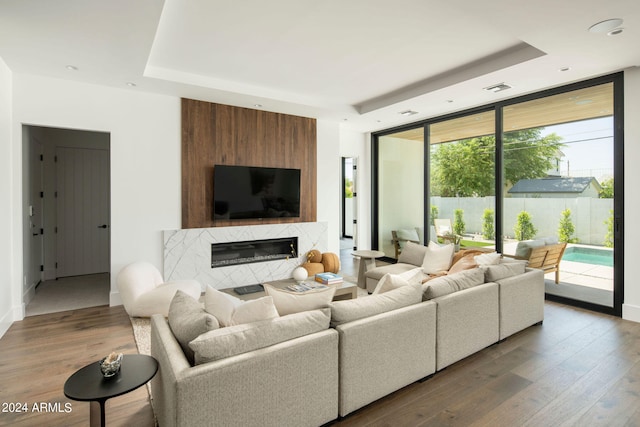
437 258
390 281
230 310
289 302
484 260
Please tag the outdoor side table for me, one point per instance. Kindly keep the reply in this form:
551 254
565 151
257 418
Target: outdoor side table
367 261
88 385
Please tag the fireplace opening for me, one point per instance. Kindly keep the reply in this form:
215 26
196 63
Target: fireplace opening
235 253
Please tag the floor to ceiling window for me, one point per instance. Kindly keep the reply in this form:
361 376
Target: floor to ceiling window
542 167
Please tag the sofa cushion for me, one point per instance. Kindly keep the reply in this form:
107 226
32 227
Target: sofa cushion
487 259
288 302
449 284
359 308
437 258
230 310
523 249
392 281
238 339
412 253
493 273
187 320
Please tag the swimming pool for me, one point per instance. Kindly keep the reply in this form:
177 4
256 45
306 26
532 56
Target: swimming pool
589 255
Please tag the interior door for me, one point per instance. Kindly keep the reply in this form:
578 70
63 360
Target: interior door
82 206
35 212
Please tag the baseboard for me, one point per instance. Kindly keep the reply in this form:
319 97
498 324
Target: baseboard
631 312
9 317
114 299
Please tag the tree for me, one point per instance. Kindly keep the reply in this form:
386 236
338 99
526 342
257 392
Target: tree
465 168
488 230
607 189
348 188
524 228
458 222
608 238
566 228
434 214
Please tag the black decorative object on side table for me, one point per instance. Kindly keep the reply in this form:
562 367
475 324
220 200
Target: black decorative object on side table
89 385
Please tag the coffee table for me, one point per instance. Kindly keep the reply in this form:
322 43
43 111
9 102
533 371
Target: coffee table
344 290
367 261
88 384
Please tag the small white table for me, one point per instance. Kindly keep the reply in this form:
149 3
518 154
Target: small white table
367 261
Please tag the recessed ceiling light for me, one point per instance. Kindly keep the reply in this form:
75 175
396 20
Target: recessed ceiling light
497 87
605 26
257 105
450 101
564 69
131 84
615 31
71 68
408 113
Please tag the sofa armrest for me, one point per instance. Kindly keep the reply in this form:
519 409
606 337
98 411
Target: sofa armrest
383 353
248 389
521 301
467 321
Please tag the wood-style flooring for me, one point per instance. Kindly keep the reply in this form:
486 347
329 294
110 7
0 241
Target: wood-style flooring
578 369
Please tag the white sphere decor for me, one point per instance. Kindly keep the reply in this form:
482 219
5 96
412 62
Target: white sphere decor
300 274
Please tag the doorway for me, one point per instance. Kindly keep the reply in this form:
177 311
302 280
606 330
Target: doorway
349 202
67 231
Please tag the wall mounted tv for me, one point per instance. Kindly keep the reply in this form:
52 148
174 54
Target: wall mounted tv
247 192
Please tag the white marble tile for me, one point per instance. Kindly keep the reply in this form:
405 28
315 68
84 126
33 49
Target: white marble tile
187 253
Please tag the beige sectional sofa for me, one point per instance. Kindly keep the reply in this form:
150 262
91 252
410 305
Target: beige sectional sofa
360 351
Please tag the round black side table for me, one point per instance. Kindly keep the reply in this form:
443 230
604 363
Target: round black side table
88 384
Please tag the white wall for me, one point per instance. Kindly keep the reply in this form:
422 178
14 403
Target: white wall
8 300
631 306
328 180
145 159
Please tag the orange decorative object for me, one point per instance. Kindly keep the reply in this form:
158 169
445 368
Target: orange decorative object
331 262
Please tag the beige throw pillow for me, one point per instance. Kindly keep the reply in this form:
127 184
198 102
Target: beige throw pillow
412 253
437 258
187 320
484 260
392 281
230 310
227 342
288 302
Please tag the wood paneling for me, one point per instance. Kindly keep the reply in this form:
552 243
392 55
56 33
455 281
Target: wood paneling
222 134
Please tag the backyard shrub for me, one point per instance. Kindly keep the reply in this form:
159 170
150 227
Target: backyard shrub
488 230
434 214
458 222
524 228
566 228
608 238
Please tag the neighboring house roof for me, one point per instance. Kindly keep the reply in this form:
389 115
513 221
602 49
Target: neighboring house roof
554 185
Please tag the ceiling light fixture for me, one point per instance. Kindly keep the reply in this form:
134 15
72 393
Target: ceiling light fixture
408 113
257 105
563 69
497 87
615 31
71 68
131 84
607 26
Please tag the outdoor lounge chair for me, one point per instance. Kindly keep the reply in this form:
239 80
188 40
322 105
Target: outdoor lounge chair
546 258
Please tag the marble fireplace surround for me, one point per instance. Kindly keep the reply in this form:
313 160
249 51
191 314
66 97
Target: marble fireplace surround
187 253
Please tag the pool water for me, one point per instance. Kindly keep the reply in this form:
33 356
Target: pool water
589 256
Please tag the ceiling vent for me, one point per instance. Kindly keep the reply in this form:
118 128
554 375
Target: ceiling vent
497 88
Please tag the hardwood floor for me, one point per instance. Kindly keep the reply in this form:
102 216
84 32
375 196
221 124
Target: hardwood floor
579 368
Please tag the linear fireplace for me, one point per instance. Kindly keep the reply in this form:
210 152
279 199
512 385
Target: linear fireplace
250 251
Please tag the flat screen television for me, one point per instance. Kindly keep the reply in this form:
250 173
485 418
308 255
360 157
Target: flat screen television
249 192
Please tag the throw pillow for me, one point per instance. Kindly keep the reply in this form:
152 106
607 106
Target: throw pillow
392 281
288 302
523 249
187 320
359 308
226 342
465 263
449 284
412 253
487 259
230 310
437 258
493 273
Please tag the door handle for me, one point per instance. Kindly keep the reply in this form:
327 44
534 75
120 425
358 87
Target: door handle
103 226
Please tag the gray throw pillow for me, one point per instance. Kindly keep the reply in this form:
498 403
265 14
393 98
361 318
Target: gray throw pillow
412 253
188 320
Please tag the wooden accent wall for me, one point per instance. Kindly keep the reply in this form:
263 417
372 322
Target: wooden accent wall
221 134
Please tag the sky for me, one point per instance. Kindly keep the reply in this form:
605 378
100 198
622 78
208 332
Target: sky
589 149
